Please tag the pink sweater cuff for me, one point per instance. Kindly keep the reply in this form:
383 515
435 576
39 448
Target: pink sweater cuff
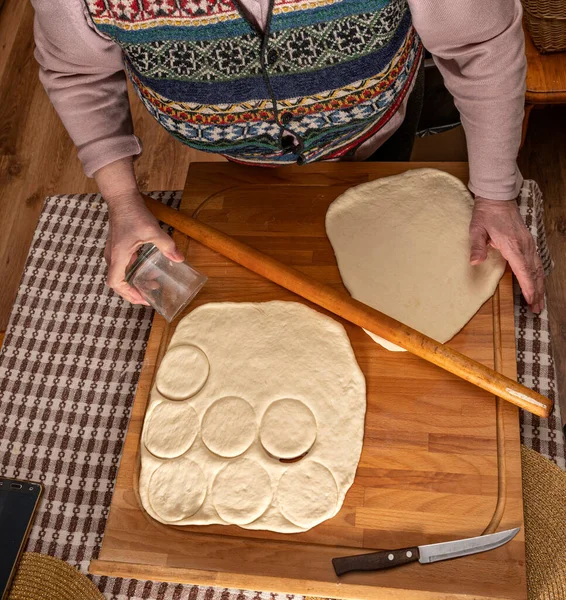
100 153
509 193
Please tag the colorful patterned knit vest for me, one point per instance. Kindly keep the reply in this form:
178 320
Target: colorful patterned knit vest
330 72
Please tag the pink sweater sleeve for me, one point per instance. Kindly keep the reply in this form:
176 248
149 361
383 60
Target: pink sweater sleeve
83 75
478 46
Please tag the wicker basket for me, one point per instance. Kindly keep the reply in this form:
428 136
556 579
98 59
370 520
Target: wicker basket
546 22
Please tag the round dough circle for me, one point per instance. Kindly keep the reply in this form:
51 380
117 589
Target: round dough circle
288 428
177 489
242 491
171 429
229 427
307 494
182 373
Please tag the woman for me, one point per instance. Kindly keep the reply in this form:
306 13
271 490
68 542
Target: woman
274 82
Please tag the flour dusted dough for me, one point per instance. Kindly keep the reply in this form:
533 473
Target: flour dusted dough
171 429
229 427
282 380
183 372
242 491
317 497
288 428
176 489
403 247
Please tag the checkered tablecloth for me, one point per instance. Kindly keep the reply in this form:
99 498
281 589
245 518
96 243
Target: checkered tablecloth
69 368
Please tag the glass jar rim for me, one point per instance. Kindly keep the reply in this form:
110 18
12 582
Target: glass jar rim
144 253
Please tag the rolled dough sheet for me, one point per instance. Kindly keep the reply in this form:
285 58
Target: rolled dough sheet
281 379
403 247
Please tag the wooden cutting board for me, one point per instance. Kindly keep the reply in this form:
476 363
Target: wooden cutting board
441 458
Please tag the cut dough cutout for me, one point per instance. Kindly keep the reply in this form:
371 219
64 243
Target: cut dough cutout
177 489
403 247
171 429
288 428
229 427
182 373
307 494
242 491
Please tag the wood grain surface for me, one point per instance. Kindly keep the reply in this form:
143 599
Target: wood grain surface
440 460
341 304
546 75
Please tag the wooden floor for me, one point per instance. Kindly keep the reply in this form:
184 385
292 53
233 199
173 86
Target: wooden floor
37 158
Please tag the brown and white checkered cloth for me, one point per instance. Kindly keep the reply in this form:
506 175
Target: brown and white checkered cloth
535 364
69 368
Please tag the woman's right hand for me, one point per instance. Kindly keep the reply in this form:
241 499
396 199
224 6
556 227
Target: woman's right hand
130 226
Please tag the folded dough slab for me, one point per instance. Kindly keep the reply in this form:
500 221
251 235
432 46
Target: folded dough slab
242 387
403 247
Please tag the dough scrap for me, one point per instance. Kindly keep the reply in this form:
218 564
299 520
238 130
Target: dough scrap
288 428
177 489
403 247
242 491
171 429
259 354
182 372
307 493
229 427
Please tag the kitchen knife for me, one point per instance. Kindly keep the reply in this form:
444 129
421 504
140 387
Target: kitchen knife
386 559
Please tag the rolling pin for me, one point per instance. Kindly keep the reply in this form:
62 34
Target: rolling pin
356 312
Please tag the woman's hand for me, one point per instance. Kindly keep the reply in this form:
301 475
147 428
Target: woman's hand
499 224
132 225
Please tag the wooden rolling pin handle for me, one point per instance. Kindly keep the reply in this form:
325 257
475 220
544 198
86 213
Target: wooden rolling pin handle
354 311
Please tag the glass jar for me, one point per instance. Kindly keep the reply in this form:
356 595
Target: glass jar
168 286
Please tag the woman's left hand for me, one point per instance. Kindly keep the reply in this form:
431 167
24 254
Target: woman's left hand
499 224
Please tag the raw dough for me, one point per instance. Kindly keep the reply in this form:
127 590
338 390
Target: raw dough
229 427
171 429
317 497
288 428
177 489
403 247
183 372
269 362
242 491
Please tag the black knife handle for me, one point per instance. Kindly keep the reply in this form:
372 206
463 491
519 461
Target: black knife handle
385 559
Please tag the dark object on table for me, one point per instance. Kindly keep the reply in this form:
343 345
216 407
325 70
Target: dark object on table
18 503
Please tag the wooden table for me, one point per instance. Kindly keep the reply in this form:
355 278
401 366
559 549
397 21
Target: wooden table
441 458
546 79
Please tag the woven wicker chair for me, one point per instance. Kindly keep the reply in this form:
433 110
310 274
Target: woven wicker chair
546 22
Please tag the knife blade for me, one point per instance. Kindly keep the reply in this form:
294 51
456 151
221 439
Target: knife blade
385 559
